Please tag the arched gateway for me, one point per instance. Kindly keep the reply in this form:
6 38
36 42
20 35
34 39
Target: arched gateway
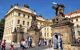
57 41
62 29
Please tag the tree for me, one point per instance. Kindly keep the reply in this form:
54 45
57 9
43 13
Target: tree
1 28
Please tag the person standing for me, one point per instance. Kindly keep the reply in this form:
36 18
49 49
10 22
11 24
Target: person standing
45 42
55 42
0 44
30 41
39 43
22 44
60 43
50 43
12 46
3 44
26 43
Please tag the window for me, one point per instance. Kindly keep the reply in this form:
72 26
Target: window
72 20
45 34
23 15
57 19
19 14
45 29
18 22
23 22
76 19
77 25
27 23
79 33
28 16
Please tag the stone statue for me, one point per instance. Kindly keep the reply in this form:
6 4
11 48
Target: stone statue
59 8
60 19
34 24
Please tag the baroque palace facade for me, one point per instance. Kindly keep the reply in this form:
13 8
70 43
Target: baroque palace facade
23 16
62 26
75 18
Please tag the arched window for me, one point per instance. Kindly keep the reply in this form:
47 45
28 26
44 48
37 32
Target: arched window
18 22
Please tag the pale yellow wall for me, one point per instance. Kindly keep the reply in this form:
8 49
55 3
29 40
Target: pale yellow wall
46 32
73 18
8 27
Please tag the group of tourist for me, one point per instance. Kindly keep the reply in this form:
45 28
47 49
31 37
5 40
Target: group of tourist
57 41
3 45
44 42
23 44
26 43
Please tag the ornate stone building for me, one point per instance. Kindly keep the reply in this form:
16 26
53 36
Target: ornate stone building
18 20
21 22
75 18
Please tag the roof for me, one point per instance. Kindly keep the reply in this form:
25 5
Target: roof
24 9
77 11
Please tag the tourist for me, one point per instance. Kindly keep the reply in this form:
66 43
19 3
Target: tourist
3 44
50 44
0 42
26 43
39 44
60 42
45 42
30 41
12 46
22 45
55 42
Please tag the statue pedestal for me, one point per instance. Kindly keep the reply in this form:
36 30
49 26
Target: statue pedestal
35 37
66 33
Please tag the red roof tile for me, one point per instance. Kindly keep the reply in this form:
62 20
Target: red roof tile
77 11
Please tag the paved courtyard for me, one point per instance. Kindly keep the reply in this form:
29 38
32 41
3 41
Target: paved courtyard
35 48
17 47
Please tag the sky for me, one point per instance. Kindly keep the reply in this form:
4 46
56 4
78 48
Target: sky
42 7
